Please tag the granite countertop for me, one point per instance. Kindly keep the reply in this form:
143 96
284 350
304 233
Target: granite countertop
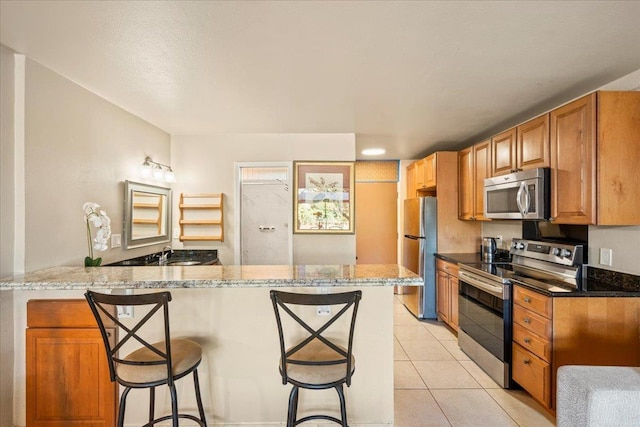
213 276
596 282
464 258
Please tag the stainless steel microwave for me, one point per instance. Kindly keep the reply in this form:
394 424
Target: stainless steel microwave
519 195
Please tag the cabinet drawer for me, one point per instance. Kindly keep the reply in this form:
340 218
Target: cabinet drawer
533 322
61 313
532 300
533 374
532 342
448 267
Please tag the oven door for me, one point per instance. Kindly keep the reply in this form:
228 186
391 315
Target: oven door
485 314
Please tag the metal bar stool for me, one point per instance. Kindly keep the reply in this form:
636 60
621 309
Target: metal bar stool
316 362
152 365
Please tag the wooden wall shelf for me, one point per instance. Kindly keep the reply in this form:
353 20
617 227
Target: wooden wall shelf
201 217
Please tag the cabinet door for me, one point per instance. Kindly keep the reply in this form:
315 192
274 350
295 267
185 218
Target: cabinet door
532 373
504 152
465 184
67 379
430 171
442 295
573 163
533 144
453 288
420 174
481 170
618 182
411 180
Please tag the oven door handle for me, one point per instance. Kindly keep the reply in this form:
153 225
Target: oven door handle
484 285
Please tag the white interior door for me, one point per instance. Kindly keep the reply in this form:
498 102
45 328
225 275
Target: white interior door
265 222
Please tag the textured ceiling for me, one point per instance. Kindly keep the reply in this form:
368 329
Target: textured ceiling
410 76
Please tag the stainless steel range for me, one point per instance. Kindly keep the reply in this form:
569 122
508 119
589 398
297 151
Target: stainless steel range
485 298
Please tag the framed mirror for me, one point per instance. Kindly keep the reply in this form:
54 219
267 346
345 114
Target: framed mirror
147 214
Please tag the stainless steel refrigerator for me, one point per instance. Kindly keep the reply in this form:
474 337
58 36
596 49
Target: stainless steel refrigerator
418 254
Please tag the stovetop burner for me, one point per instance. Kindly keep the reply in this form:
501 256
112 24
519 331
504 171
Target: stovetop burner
552 266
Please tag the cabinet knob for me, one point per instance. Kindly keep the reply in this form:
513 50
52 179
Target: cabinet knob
526 320
527 340
527 299
527 362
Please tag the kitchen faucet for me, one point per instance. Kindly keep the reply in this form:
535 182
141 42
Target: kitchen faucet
164 257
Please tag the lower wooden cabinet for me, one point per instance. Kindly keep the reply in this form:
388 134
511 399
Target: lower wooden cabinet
447 292
67 375
532 373
550 332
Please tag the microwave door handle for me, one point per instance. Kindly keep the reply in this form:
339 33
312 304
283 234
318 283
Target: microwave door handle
527 197
519 195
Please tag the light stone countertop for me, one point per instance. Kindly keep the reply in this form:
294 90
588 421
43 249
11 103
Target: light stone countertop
212 276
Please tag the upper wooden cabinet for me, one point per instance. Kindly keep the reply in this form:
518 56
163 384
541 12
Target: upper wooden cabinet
532 144
430 171
420 174
425 173
520 148
573 161
594 160
618 149
503 155
411 180
474 165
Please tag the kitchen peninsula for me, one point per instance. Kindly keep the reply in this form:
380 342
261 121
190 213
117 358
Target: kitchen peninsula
227 309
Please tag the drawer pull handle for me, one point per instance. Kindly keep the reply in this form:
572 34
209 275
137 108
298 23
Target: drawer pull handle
527 362
526 320
527 340
527 299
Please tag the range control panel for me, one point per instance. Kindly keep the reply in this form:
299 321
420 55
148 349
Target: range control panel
558 253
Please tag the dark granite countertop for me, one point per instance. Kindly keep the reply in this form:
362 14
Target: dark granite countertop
200 256
597 282
464 258
473 258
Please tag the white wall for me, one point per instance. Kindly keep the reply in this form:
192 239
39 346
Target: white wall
206 164
78 148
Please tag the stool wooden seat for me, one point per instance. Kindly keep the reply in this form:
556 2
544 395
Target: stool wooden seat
317 361
153 364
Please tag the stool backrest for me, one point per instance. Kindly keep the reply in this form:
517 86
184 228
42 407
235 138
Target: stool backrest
158 303
283 301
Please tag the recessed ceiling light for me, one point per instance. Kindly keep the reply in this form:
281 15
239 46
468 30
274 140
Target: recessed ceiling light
373 151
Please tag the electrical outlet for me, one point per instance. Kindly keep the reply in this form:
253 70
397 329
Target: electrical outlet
125 311
606 256
323 310
116 241
499 241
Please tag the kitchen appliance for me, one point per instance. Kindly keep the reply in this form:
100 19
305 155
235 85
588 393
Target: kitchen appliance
485 298
489 249
418 254
519 195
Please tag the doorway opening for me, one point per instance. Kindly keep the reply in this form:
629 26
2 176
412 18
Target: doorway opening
264 214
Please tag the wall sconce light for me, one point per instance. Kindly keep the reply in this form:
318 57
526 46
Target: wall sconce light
157 171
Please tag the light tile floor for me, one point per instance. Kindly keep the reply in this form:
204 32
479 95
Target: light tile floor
437 385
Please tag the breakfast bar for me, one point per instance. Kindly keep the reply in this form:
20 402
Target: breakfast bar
228 311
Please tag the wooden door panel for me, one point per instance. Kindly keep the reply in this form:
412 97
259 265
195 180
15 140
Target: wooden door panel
573 195
68 379
376 222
